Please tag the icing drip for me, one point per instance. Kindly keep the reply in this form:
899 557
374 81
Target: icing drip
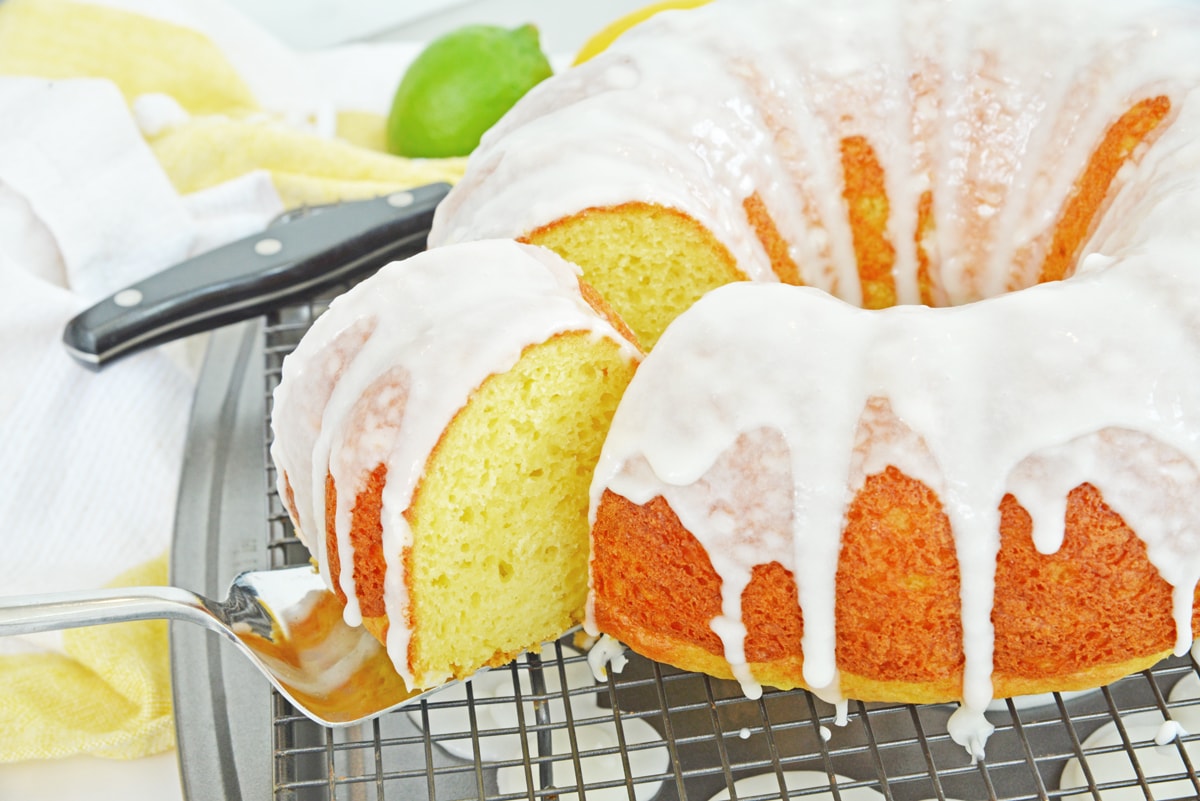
1141 479
401 354
746 498
293 456
1170 731
606 651
969 728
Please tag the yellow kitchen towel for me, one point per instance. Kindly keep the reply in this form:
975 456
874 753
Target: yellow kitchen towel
63 39
208 116
218 129
108 693
305 168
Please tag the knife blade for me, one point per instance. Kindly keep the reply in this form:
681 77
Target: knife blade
305 252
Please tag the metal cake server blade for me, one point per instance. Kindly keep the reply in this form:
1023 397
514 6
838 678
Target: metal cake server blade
284 621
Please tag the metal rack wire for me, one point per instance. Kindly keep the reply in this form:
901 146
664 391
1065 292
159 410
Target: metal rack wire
707 736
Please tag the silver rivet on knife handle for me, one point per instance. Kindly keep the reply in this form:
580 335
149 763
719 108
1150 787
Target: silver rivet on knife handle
400 200
268 247
127 298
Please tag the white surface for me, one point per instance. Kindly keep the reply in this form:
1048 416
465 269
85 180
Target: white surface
306 24
93 779
321 23
563 24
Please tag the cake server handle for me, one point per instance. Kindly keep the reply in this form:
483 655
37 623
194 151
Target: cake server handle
285 621
306 251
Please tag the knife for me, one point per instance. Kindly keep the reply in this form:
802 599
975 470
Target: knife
303 252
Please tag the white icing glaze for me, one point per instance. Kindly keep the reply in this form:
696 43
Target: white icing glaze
381 374
971 729
992 107
606 651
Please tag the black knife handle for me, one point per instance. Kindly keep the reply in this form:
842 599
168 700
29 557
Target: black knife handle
310 252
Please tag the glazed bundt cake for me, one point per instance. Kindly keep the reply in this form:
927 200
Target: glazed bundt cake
983 486
940 446
435 433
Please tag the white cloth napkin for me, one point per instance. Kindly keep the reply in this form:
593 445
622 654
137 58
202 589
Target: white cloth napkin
89 462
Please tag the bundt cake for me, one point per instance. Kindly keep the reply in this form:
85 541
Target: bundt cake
941 446
435 432
958 460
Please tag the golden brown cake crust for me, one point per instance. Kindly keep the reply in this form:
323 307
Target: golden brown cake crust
605 310
366 538
868 208
1092 612
898 586
782 265
1098 600
1135 127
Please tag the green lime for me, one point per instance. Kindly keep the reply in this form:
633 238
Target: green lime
459 86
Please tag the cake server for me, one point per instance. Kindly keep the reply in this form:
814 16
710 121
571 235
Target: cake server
284 621
303 252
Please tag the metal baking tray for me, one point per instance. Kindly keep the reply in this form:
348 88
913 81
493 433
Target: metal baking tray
650 731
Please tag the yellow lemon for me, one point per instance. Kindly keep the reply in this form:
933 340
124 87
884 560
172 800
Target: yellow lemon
605 36
459 86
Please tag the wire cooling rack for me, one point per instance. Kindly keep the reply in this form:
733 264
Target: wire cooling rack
541 728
